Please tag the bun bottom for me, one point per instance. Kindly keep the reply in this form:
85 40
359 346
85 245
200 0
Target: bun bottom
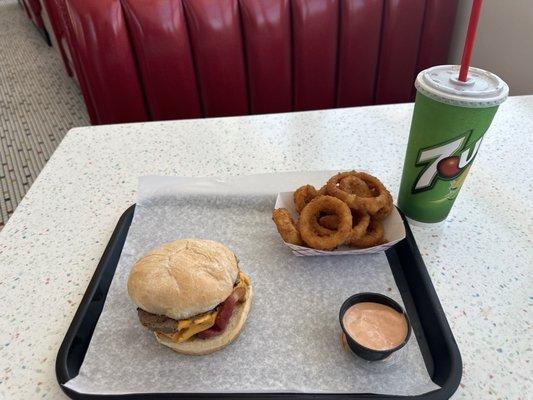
199 347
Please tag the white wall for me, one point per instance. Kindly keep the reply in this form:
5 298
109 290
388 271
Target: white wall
504 41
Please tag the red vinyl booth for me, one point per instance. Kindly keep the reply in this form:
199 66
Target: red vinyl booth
48 23
53 14
33 9
139 60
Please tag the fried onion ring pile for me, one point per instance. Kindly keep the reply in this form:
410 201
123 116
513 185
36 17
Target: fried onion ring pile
348 210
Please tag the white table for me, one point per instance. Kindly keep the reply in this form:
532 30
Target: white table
480 261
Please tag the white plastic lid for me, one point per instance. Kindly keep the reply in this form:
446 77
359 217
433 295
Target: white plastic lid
481 90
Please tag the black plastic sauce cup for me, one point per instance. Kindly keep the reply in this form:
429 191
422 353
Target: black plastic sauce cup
359 349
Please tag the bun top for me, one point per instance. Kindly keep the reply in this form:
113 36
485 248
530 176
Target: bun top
183 278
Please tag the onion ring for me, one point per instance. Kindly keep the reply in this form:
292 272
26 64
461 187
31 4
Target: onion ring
329 223
334 190
369 204
311 212
302 196
372 237
385 211
382 197
361 221
286 227
354 185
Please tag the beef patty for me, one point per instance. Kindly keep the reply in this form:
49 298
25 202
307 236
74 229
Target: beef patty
159 323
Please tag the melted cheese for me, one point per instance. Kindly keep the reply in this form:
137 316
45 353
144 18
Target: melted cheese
243 280
189 327
243 283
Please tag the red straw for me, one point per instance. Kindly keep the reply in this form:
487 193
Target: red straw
470 36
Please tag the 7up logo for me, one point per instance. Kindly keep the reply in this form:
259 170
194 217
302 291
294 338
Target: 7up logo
439 161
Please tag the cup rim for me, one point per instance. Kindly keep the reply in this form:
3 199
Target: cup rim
364 296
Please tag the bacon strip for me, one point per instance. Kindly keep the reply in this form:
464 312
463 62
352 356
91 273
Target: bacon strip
223 316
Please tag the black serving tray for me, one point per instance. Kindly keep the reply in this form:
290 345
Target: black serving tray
436 341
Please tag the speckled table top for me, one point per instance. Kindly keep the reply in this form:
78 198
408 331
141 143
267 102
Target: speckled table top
480 260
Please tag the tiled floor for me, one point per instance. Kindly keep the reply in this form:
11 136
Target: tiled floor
39 103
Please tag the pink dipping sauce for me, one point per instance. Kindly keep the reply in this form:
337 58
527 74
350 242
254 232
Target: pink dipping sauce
375 326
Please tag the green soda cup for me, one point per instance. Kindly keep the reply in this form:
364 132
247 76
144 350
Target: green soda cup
449 121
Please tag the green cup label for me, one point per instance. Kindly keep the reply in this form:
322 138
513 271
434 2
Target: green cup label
443 143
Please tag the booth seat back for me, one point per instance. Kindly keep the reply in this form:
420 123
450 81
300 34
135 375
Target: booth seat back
55 26
33 9
141 60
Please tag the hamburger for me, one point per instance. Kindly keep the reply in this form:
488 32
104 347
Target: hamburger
191 294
